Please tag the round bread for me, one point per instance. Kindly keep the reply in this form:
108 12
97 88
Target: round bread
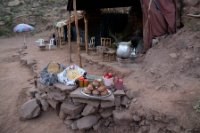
102 88
95 83
105 92
85 90
95 92
90 87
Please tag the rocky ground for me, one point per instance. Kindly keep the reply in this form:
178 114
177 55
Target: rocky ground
163 87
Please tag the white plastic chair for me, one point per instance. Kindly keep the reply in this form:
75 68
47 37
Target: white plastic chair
40 42
92 42
51 43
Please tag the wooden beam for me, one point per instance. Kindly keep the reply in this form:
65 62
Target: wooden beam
69 37
77 32
86 33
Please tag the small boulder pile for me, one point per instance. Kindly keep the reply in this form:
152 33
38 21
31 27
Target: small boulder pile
77 111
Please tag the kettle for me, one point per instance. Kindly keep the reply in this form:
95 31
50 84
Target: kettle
124 50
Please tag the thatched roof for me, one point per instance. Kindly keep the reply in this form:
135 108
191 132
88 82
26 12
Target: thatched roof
99 4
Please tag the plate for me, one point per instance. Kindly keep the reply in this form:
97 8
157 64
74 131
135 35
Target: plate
95 96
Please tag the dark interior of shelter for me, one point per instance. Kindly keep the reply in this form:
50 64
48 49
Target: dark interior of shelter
118 25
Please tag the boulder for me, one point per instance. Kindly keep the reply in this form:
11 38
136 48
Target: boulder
31 92
87 122
117 101
119 93
55 95
30 109
14 3
125 101
107 104
122 117
131 94
45 105
68 122
74 126
64 88
71 109
105 113
52 103
88 110
94 103
62 115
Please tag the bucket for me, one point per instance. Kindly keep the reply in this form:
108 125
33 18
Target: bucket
108 81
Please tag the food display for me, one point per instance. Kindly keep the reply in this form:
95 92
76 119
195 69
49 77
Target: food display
108 79
96 88
53 67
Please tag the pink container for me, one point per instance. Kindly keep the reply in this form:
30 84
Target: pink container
118 83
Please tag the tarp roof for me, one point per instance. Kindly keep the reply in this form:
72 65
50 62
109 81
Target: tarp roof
99 4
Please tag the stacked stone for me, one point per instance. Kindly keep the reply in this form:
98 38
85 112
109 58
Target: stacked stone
75 109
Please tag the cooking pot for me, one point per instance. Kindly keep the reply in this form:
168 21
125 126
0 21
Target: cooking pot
124 50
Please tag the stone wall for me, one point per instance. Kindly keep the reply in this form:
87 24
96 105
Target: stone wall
119 112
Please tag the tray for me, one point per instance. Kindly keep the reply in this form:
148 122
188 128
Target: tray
94 96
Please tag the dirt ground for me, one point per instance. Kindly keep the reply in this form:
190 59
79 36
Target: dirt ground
13 85
165 81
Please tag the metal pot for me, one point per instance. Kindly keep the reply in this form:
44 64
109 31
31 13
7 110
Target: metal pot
124 50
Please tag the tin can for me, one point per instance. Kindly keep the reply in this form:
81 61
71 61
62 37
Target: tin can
86 82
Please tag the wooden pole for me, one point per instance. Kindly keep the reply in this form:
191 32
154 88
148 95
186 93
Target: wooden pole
69 37
77 32
86 33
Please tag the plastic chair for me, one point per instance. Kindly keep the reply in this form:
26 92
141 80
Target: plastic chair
40 42
92 42
51 43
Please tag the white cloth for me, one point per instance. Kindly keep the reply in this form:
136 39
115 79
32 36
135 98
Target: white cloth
63 78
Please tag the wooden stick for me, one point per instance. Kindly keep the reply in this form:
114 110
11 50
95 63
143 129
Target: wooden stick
77 32
86 33
69 37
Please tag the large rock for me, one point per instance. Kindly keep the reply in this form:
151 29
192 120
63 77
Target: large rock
71 109
94 103
30 109
56 95
105 104
87 122
53 103
88 110
125 101
105 113
117 101
131 94
45 105
14 3
31 92
64 88
119 93
122 117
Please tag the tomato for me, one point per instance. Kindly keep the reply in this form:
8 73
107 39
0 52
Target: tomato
110 75
107 77
105 74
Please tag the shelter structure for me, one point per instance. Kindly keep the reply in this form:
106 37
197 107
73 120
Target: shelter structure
61 27
158 16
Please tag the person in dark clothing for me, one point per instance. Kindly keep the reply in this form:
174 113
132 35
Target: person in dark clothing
54 37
